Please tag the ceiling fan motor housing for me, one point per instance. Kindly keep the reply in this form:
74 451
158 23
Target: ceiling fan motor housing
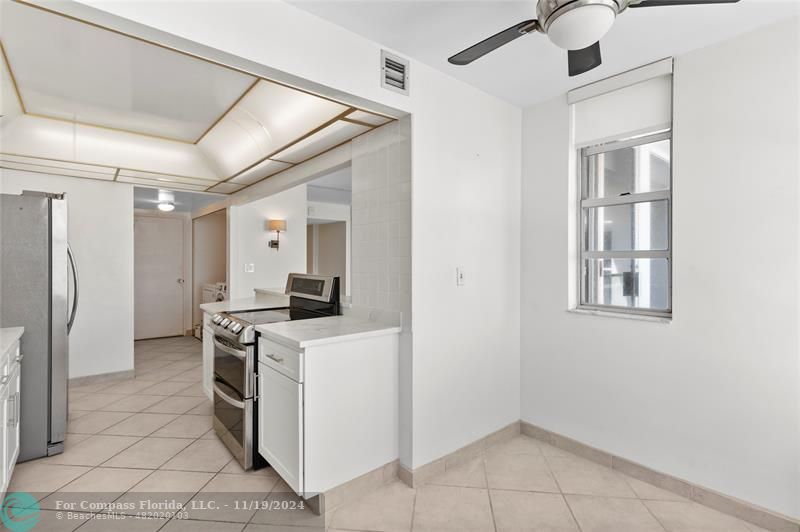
577 24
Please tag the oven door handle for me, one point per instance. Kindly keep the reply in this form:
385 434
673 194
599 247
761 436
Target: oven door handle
227 398
241 355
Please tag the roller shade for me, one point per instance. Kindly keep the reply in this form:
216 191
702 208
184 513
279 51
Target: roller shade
636 102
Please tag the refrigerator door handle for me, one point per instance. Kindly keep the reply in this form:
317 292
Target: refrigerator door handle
75 284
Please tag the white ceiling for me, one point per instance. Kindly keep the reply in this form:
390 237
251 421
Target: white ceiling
531 69
73 71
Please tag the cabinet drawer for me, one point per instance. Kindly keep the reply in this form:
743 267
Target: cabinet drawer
281 358
8 362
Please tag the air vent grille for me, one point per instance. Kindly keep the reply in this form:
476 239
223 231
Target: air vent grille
394 72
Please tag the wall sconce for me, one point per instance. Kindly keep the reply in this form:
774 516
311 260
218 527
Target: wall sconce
277 226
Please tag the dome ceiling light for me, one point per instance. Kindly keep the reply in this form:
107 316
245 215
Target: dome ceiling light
574 25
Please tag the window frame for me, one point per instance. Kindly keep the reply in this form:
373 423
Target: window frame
583 255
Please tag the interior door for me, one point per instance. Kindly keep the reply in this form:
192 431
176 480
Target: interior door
158 277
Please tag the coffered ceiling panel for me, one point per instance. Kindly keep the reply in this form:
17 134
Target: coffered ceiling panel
320 141
260 171
151 183
268 118
69 70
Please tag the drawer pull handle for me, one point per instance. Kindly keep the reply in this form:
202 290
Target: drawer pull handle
5 379
19 358
276 358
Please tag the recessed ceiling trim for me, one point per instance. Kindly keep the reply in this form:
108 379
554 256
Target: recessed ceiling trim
64 172
13 79
189 54
116 174
358 122
228 110
292 143
122 168
61 168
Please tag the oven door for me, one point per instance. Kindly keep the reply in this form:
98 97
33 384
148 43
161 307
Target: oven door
233 398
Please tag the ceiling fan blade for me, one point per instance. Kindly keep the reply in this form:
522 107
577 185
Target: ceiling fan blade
581 61
497 40
660 3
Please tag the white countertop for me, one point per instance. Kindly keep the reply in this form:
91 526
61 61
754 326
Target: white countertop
247 303
8 336
318 331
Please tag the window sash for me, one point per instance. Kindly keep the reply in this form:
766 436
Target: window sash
586 203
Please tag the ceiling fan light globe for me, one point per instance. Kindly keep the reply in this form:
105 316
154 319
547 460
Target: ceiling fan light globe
581 27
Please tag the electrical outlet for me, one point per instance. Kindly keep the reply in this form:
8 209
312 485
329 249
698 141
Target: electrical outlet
249 267
460 277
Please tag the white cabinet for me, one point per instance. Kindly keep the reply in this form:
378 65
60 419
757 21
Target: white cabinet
328 413
9 413
280 427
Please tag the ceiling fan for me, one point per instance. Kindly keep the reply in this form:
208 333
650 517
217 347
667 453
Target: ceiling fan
575 25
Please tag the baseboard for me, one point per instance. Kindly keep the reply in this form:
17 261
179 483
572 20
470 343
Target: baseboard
325 503
421 475
718 501
103 377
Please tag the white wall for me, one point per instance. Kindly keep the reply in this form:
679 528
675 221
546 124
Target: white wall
465 205
249 238
713 397
101 235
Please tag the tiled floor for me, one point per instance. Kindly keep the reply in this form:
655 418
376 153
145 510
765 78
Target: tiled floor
150 439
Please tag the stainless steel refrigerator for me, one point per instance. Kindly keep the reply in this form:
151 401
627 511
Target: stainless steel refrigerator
36 264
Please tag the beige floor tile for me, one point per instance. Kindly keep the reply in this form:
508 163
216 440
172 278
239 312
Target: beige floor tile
184 364
202 455
471 474
288 528
206 408
185 427
92 451
644 490
40 479
191 375
77 414
133 403
194 389
582 477
228 492
100 485
141 424
452 508
179 486
106 479
176 405
524 472
533 512
149 453
132 524
90 388
164 388
95 422
389 508
287 509
210 435
517 445
692 517
603 514
52 521
128 387
93 401
186 525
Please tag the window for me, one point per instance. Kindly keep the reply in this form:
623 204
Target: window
625 226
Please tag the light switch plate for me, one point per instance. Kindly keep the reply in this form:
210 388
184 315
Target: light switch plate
460 277
249 268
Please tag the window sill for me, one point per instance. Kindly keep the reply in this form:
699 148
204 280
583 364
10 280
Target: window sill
621 315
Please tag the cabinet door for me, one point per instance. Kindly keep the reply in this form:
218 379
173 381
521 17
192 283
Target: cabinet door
4 432
208 362
280 425
12 420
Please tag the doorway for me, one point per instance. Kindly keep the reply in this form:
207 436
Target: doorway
158 276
